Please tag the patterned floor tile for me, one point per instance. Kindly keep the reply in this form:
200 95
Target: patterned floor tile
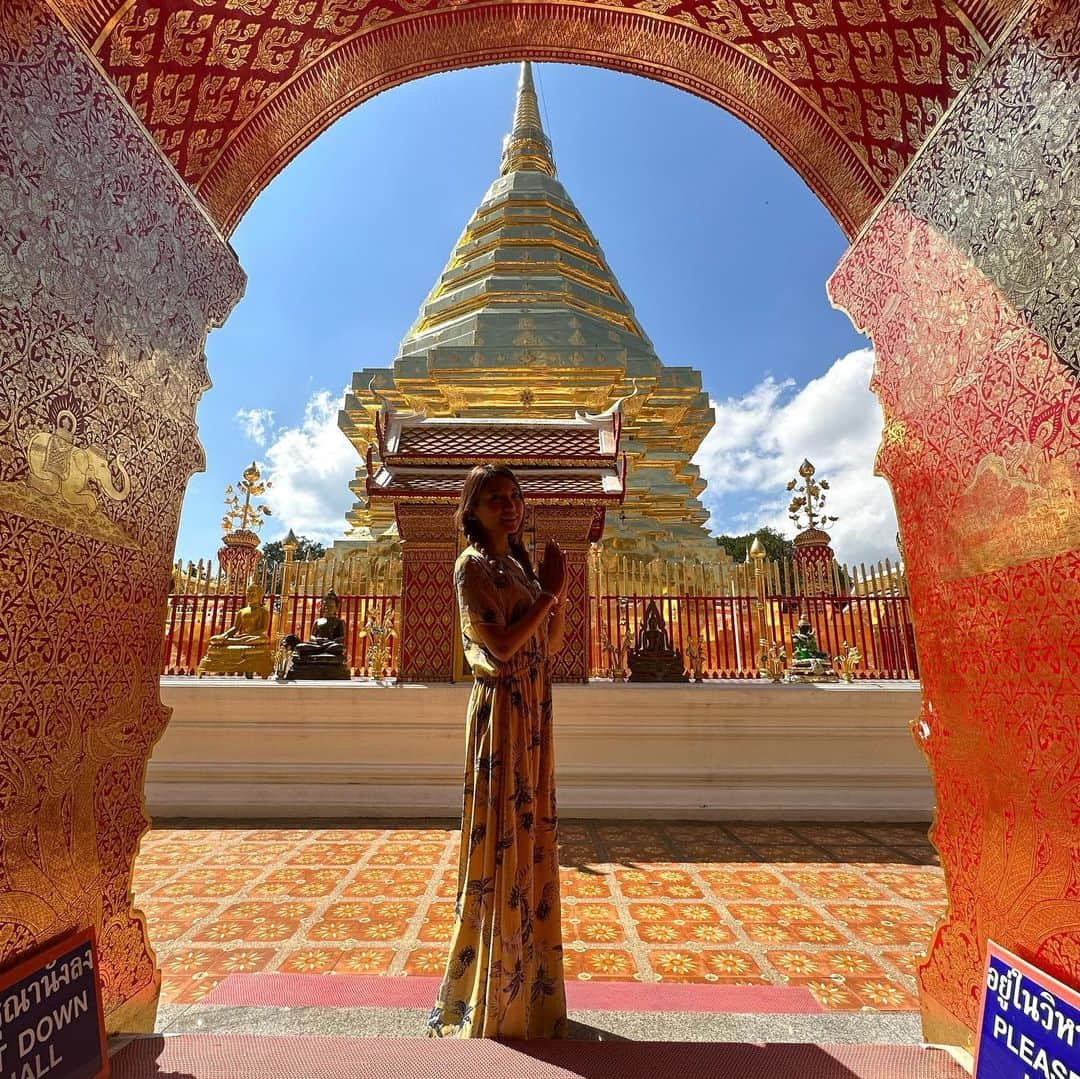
672 901
746 884
366 960
599 964
429 962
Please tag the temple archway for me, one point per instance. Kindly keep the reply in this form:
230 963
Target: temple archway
845 92
964 274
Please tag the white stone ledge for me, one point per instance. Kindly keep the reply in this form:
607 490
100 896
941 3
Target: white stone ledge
236 748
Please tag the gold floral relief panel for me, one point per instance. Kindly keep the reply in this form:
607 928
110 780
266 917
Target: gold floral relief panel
982 451
870 76
1002 178
110 276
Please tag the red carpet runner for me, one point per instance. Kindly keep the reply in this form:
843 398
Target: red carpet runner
210 1056
364 991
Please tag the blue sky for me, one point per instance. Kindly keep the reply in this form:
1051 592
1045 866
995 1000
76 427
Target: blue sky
720 246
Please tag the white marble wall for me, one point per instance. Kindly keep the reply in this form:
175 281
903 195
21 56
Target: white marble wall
730 750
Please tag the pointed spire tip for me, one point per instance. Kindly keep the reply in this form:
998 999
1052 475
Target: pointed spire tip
527 148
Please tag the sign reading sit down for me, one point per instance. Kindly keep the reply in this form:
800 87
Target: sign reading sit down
1029 1027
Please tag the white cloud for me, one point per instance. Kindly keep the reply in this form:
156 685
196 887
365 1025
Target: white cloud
761 438
311 466
256 423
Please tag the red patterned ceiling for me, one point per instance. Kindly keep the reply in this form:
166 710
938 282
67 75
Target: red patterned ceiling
846 90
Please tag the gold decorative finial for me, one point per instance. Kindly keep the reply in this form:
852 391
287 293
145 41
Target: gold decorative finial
244 516
527 148
809 498
757 549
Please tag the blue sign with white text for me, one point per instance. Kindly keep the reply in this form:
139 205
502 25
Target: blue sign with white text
1030 1023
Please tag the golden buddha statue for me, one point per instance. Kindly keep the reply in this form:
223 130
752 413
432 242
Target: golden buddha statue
244 648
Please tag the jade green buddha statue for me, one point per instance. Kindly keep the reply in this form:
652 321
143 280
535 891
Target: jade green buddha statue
808 662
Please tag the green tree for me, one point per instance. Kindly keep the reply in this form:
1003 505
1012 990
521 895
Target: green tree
274 553
776 544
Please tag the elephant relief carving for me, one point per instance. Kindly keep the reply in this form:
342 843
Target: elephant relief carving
66 484
59 467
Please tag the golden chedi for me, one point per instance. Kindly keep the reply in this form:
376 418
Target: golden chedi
527 321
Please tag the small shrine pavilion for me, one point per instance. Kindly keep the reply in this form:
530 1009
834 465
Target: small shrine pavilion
570 472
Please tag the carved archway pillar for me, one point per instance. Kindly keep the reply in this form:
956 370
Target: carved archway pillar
570 527
110 277
429 626
968 283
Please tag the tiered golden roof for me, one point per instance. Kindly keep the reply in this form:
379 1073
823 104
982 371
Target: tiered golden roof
527 320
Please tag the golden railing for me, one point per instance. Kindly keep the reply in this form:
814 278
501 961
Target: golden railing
709 608
368 590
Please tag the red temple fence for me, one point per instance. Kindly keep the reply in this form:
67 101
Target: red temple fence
711 611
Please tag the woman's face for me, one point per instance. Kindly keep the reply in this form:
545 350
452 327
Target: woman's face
500 509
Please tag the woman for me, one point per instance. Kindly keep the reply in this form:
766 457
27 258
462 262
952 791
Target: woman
504 975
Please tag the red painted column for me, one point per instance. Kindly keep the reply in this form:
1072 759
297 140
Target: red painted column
569 527
429 619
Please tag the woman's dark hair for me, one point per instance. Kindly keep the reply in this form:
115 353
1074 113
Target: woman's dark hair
475 482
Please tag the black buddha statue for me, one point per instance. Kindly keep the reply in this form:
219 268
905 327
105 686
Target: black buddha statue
322 655
654 659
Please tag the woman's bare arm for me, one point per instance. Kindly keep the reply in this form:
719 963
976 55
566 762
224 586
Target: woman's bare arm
504 641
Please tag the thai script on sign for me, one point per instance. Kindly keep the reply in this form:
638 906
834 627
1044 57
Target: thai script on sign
50 1015
1028 1025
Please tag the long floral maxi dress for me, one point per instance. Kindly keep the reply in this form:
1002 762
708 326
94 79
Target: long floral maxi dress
504 974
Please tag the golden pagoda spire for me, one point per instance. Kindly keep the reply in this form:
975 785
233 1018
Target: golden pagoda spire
527 148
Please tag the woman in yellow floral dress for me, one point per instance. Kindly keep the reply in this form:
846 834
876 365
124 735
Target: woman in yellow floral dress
504 974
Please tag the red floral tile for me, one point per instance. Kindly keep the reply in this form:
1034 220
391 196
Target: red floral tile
329 854
657 884
242 961
745 884
306 883
599 964
311 961
186 962
829 834
205 883
355 835
148 878
427 961
279 835
248 854
755 834
833 882
837 993
730 966
365 961
362 921
360 916
832 994
368 883
584 885
438 924
794 963
678 965
448 883
907 962
407 854
784 855
593 931
288 910
863 854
